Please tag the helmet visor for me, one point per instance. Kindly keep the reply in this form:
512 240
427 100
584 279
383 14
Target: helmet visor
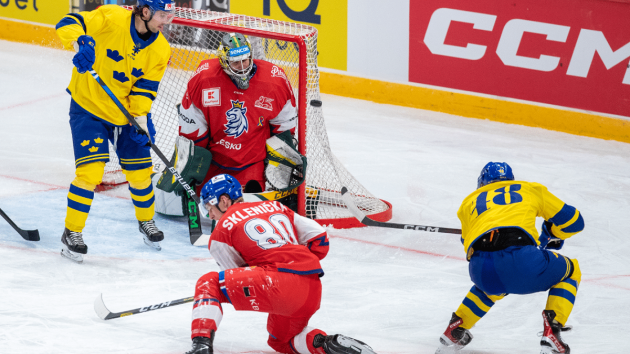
165 16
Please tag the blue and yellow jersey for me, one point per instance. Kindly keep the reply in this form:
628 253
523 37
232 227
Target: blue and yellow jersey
130 66
515 204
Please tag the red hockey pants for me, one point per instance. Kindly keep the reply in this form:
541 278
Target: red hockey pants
289 299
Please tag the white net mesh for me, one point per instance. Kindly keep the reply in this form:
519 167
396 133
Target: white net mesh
194 36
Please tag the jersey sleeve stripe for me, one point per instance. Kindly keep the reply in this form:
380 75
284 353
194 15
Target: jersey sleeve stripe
67 21
145 94
148 85
79 20
564 215
576 226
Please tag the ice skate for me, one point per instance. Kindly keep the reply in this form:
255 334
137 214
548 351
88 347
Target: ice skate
551 342
455 337
340 344
73 246
151 235
202 345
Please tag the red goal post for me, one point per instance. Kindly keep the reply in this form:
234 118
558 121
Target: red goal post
194 36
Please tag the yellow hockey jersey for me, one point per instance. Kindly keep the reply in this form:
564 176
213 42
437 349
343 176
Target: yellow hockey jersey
131 67
515 204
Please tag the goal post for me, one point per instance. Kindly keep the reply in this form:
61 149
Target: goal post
194 35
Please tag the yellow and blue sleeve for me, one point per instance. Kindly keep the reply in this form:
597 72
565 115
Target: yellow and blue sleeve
74 25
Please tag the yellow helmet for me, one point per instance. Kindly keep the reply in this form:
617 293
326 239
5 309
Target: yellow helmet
235 56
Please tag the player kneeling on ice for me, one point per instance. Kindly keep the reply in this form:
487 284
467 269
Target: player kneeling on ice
507 256
269 259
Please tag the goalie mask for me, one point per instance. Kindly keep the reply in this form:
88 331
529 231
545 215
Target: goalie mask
235 56
494 172
218 186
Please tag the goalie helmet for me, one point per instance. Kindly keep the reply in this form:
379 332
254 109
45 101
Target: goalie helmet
495 172
218 186
235 56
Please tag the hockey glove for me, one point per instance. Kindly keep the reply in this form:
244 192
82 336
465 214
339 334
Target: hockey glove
146 123
547 240
84 59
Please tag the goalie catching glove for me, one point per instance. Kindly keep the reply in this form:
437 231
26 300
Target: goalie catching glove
285 167
190 161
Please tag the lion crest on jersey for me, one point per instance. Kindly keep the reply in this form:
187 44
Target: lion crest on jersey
237 120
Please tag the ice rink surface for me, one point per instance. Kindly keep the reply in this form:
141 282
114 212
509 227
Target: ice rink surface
394 289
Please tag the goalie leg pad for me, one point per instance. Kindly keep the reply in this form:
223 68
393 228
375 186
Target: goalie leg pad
286 167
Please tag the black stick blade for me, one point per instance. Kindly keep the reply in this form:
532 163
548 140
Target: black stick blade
28 235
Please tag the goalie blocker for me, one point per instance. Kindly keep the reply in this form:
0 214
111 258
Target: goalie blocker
284 171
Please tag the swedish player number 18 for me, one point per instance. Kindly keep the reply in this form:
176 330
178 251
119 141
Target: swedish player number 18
500 198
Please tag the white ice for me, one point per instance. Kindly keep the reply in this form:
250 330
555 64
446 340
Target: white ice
393 289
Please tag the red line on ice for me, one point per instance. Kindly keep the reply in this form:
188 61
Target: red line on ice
401 248
33 101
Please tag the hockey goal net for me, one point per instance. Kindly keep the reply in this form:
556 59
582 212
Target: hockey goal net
194 36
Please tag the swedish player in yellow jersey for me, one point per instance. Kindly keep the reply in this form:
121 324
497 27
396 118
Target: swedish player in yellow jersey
130 55
507 256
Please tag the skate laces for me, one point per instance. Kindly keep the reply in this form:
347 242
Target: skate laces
76 238
149 227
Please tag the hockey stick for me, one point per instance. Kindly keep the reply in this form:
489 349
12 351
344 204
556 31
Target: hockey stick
167 163
102 311
28 235
347 198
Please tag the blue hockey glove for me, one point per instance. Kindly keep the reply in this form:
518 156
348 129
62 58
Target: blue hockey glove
142 138
547 240
84 59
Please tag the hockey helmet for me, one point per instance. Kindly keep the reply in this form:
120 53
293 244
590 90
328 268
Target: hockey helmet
495 172
158 5
235 56
167 6
218 186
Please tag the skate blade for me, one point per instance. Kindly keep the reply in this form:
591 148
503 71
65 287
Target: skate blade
73 256
446 348
155 245
355 345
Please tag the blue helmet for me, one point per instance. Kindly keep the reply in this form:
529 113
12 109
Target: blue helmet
494 172
157 5
219 185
